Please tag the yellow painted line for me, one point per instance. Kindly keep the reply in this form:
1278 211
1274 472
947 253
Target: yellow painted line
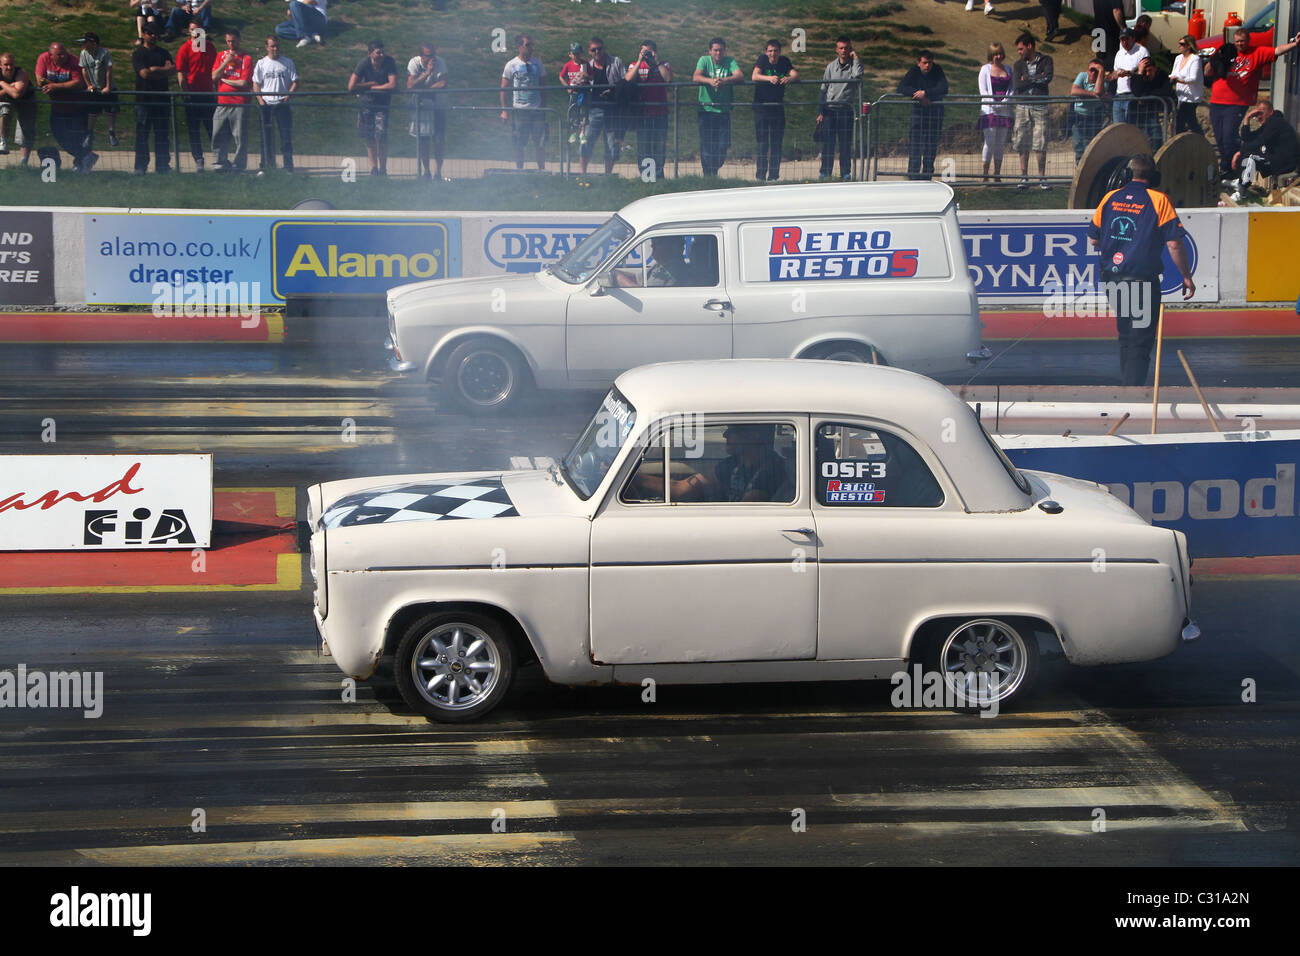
264 439
1185 797
453 850
288 577
242 408
645 844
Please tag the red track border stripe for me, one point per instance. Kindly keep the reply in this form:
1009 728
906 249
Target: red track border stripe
1184 324
125 327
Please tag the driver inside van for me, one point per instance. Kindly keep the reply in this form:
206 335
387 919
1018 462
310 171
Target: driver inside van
669 269
752 471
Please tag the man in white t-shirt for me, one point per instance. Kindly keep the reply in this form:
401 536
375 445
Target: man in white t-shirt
1127 57
428 111
524 75
274 78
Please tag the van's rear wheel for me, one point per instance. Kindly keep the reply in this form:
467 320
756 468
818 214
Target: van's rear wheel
847 352
484 375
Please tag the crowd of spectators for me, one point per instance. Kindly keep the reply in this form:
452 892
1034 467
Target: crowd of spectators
608 99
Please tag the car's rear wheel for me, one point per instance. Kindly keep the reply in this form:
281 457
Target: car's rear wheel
454 666
484 375
984 660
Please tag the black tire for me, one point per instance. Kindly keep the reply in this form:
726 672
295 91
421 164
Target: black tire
457 667
984 645
847 352
484 375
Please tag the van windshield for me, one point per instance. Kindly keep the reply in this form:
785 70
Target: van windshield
581 264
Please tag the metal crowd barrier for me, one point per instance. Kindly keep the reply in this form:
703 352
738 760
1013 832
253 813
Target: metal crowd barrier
960 141
325 135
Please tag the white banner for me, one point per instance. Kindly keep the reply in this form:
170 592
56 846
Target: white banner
105 502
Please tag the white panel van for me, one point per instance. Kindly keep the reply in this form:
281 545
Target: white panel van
860 272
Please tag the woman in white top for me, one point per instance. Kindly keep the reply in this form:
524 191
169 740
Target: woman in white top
1189 81
995 109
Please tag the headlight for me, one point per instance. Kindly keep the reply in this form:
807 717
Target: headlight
316 563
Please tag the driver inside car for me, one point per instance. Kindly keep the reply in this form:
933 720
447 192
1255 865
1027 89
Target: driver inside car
752 471
670 268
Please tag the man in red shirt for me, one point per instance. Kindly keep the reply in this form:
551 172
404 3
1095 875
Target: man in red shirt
1235 91
653 75
58 75
232 73
195 61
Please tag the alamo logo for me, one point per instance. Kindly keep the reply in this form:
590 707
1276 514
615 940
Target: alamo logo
107 528
796 254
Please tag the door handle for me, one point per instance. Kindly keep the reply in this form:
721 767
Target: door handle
718 305
808 531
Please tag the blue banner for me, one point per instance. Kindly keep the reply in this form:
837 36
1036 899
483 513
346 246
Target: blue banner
1231 498
361 257
1026 260
128 254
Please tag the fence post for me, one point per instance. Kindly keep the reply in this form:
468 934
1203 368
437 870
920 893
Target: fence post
859 126
676 118
176 135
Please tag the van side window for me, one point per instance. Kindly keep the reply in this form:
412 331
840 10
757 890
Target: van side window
670 261
865 468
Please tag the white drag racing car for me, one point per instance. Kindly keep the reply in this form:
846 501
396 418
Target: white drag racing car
755 520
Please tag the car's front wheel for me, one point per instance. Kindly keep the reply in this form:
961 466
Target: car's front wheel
454 666
484 375
984 660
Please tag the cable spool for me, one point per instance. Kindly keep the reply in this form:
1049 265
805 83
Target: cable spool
1189 168
1101 168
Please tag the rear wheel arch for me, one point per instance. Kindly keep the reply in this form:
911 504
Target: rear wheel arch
939 626
845 350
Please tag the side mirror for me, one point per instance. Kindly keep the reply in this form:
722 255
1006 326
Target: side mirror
604 281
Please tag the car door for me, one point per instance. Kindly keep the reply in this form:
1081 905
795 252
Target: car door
720 564
893 537
636 311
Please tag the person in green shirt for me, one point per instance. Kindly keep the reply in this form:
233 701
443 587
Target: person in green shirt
717 74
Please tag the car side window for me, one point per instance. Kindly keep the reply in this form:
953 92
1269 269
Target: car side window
729 462
670 261
867 468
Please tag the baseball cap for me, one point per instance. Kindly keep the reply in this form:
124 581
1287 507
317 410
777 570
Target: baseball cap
575 47
1127 32
88 37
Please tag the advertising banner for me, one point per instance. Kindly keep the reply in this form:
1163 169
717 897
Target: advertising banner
250 260
360 256
1022 259
521 245
105 502
1231 496
128 254
26 258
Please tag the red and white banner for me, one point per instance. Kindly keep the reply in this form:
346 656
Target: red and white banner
105 502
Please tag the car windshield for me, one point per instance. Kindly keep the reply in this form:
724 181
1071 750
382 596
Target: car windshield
581 264
587 464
